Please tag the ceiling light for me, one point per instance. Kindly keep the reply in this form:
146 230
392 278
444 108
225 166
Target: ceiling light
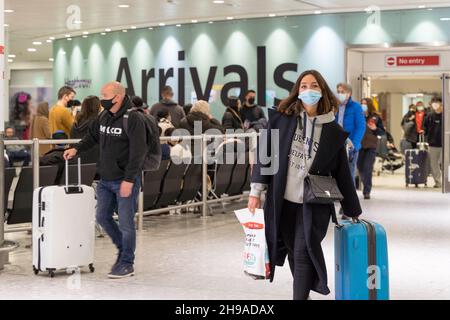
211 22
6 25
67 36
162 24
194 21
178 25
52 38
51 59
230 18
10 60
85 36
31 49
430 9
218 1
272 15
103 33
78 22
11 56
445 19
422 7
123 6
151 28
124 30
63 52
317 12
49 41
134 27
108 30
85 32
37 43
9 11
69 39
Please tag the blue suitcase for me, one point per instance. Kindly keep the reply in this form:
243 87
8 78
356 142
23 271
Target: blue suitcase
358 246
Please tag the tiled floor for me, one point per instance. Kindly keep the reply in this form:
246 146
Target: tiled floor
184 257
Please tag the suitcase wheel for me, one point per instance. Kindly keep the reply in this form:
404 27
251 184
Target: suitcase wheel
51 273
417 185
91 268
36 271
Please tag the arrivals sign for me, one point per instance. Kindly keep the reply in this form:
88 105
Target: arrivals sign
412 61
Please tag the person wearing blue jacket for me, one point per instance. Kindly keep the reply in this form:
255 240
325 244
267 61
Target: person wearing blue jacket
351 117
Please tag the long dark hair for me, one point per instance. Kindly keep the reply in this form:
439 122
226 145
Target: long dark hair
21 106
90 109
292 105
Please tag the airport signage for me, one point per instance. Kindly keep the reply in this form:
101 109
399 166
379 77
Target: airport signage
159 76
412 61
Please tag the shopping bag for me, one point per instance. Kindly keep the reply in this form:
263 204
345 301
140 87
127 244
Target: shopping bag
256 253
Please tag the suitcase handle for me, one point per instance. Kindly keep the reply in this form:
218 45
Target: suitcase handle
79 173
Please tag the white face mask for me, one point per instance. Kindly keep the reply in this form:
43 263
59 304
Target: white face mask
436 105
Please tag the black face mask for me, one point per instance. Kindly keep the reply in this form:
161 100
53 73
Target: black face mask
107 104
251 101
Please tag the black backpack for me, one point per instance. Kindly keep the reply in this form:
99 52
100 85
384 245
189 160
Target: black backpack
154 154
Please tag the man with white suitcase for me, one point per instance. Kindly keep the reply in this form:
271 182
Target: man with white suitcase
122 155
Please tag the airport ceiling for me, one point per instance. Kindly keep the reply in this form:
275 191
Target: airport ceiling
29 23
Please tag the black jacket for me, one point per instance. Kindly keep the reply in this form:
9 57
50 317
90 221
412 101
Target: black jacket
232 120
433 129
331 158
79 130
252 113
121 155
410 128
189 121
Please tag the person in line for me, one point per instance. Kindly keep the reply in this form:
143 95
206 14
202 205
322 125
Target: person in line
410 137
251 114
74 107
122 156
90 109
232 118
16 153
179 153
140 104
368 152
21 115
201 113
60 117
433 132
176 112
164 121
312 142
187 108
40 128
350 116
420 118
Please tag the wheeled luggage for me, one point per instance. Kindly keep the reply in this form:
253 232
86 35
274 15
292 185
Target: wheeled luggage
63 227
417 167
361 259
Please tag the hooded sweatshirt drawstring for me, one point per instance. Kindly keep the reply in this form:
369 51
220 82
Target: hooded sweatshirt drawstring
305 123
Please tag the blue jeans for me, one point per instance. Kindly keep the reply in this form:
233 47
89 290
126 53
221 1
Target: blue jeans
366 160
123 235
352 161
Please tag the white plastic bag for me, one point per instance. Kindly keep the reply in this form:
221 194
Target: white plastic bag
256 253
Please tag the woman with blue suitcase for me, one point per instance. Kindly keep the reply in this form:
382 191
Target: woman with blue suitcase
303 139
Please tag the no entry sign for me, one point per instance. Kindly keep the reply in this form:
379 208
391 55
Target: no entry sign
412 61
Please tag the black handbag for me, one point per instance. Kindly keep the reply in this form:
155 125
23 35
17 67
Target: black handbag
321 190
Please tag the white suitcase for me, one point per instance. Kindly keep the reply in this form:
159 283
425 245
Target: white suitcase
63 227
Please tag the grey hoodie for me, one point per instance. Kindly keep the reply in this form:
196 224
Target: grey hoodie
303 151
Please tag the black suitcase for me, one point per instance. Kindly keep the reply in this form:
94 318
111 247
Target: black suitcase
416 170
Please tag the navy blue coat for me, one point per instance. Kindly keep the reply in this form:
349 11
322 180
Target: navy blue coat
331 158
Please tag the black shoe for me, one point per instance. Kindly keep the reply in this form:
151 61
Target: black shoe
367 196
117 263
122 271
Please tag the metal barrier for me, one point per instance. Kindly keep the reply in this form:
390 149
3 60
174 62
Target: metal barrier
35 143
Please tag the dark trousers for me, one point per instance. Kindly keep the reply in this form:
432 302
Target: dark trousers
293 235
366 160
